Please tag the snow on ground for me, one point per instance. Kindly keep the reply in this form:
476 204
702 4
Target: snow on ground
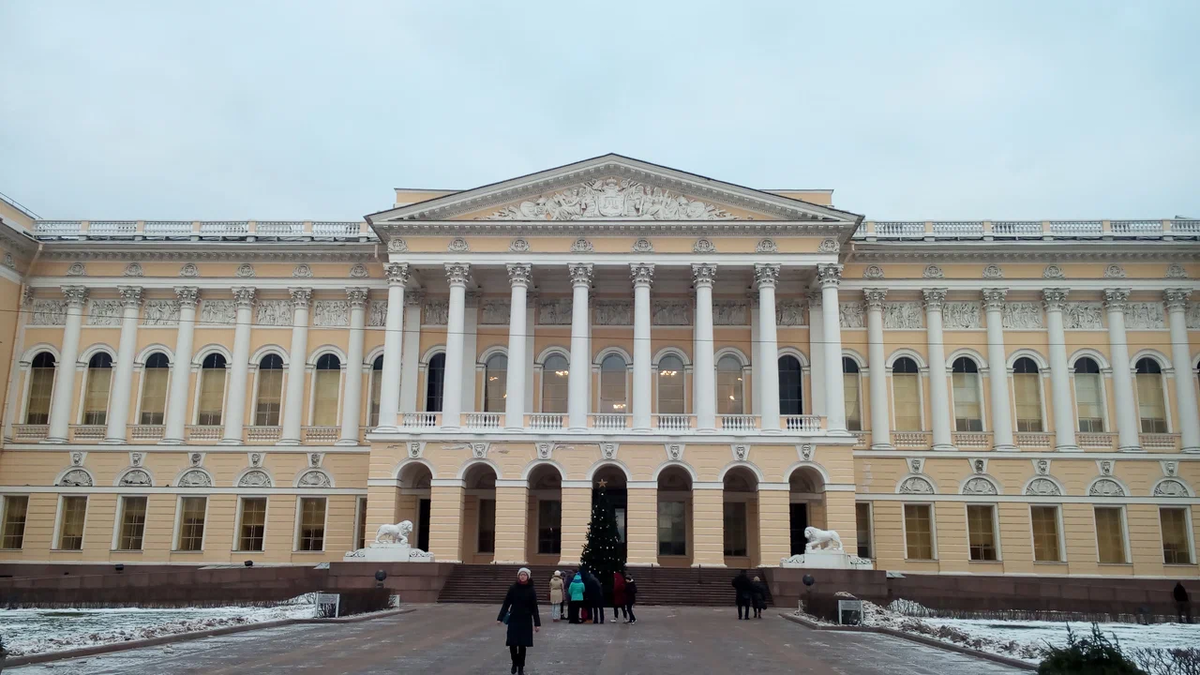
34 631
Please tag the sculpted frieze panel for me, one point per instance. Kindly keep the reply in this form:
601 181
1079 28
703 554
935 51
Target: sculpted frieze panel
790 313
1193 315
961 316
49 312
331 313
670 313
1083 316
1023 316
436 312
554 312
1145 316
105 313
613 313
612 198
377 313
850 314
903 316
494 312
731 313
273 313
218 312
161 313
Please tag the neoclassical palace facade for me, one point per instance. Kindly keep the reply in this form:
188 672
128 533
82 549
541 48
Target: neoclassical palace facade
977 397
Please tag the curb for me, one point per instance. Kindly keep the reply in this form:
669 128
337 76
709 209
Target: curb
47 657
920 639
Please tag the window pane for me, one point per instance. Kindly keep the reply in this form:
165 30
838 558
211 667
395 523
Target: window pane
791 386
487 526
862 517
1110 535
967 415
853 409
325 397
495 384
376 390
1150 403
549 522
133 523
270 394
312 524
981 531
435 376
670 386
254 523
154 392
70 537
95 401
612 384
15 509
1089 401
360 539
1045 533
906 392
41 384
212 396
1027 392
729 386
554 384
672 528
191 523
1176 549
918 531
735 528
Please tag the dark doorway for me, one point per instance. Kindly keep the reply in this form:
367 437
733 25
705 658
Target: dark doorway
423 525
618 499
799 519
791 387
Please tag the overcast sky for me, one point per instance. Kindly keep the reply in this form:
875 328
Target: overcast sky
316 110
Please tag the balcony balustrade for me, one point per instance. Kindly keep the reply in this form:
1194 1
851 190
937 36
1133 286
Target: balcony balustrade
262 434
540 421
30 432
484 420
1137 228
421 420
973 439
279 228
1076 228
609 421
1017 228
912 440
674 422
204 432
145 432
1107 441
168 229
220 229
1160 442
737 422
87 433
320 435
112 229
336 230
1034 440
807 424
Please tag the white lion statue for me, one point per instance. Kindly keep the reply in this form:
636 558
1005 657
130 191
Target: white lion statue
397 533
819 539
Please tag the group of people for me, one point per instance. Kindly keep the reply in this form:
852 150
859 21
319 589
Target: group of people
751 595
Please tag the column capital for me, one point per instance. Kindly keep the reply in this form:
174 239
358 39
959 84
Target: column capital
188 296
829 275
993 298
704 274
874 297
520 274
1054 298
357 296
131 296
243 296
76 295
766 274
301 297
397 273
641 273
457 273
1115 299
934 298
1177 298
581 273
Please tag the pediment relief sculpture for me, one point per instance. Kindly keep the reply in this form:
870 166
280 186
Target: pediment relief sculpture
611 199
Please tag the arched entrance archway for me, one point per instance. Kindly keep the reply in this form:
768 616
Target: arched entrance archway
741 518
616 488
414 502
478 544
806 491
543 545
675 538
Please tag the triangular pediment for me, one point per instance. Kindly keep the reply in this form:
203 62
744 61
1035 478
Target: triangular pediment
613 188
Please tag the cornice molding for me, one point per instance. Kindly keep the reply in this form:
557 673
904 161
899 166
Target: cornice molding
314 252
636 228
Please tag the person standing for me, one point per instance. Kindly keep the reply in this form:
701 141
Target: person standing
520 612
630 599
618 597
743 590
1183 605
758 596
594 597
575 594
556 596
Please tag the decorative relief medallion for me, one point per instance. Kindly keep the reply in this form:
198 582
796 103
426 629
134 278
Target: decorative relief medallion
554 312
273 313
674 451
436 312
1106 487
670 313
458 245
1042 467
766 246
613 313
582 245
829 245
1053 272
873 272
302 271
377 313
704 246
993 272
416 449
1043 487
105 313
256 459
245 271
359 271
850 314
903 316
806 451
615 198
49 312
731 313
218 312
76 478
790 313
1023 316
933 272
9 261
161 313
195 478
1083 316
608 450
397 245
1176 271
519 245
254 479
135 458
189 270
331 313
1114 272
136 478
134 270
642 246
544 450
76 270
314 479
77 458
495 312
1106 467
979 486
916 464
740 451
1169 468
1145 316
1171 488
961 316
916 485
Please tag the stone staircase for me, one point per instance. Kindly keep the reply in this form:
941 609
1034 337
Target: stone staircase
707 587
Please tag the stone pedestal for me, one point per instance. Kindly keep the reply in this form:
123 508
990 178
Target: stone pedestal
821 559
386 551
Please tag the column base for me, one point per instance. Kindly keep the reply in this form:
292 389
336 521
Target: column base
389 429
346 441
944 447
1005 448
287 441
1131 448
446 428
882 446
577 430
649 430
53 441
113 441
171 441
773 431
230 441
514 430
1067 448
707 430
1191 450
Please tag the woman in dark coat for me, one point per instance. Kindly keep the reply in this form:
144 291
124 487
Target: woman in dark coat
758 596
521 609
593 597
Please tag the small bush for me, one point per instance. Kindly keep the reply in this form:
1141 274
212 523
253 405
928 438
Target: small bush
1168 661
1088 655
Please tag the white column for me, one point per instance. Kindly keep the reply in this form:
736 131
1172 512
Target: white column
519 277
816 366
939 392
239 371
118 407
756 376
829 276
293 398
1060 376
530 356
1128 439
703 276
579 376
766 276
352 396
64 378
393 339
410 365
181 367
1002 427
1185 392
470 352
643 383
881 427
10 402
456 274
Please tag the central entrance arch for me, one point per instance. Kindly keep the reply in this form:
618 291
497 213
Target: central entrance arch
616 487
543 545
806 492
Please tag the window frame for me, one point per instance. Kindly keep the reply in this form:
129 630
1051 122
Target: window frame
427 368
1101 378
683 378
1188 534
658 540
360 522
258 383
544 379
239 523
313 404
119 524
4 520
374 392
1041 393
857 376
870 530
479 531
143 370
932 530
59 517
200 381
995 510
85 389
26 399
556 530
745 528
1120 508
981 401
799 383
177 535
920 380
620 406
1164 390
1061 553
739 388
488 371
299 521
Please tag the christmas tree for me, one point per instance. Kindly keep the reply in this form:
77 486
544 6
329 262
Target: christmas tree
602 549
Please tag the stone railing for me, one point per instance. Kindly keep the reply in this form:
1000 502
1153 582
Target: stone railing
87 433
201 230
809 424
483 420
204 432
1034 440
933 230
263 434
673 422
321 435
1096 440
421 420
737 422
912 439
972 439
608 421
540 421
30 432
1159 442
145 432
861 439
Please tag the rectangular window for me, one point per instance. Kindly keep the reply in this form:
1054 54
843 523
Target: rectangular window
967 414
325 397
1110 534
376 390
212 396
1027 394
154 395
554 388
735 528
70 533
549 522
133 523
1176 548
1089 402
1151 408
312 524
1045 534
862 518
670 392
191 523
41 384
672 528
360 539
981 531
253 527
486 542
906 392
15 509
918 531
495 389
270 390
853 409
95 401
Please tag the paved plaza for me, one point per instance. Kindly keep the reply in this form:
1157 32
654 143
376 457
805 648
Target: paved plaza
465 639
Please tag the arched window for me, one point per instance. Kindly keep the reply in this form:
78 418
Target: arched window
41 384
671 400
1152 408
95 398
155 376
495 383
376 389
612 384
968 413
1027 393
554 384
1089 396
729 386
326 381
212 390
850 381
791 386
906 394
270 391
435 378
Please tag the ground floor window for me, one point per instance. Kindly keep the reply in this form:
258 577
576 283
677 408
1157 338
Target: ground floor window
672 528
360 526
253 528
1110 534
311 535
486 541
70 533
1176 548
862 518
191 523
918 531
981 530
15 509
423 511
549 524
133 523
735 529
1045 534
798 517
